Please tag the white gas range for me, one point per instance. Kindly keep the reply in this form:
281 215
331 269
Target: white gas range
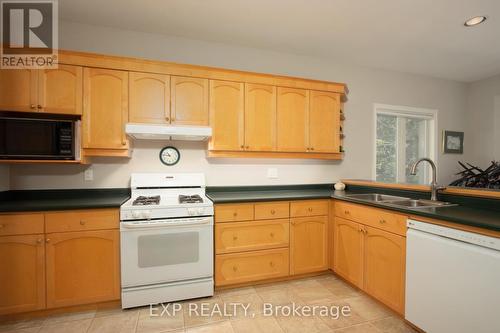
166 239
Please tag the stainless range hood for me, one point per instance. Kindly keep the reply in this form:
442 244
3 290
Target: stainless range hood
162 132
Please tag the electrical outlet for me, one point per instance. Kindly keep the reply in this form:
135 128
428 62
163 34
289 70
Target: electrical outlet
88 175
272 173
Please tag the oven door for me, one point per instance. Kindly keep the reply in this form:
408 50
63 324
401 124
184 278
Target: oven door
162 251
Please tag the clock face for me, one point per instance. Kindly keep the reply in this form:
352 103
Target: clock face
169 155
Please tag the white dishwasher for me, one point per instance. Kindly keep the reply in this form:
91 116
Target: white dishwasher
452 280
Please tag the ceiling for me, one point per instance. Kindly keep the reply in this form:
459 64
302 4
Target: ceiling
416 36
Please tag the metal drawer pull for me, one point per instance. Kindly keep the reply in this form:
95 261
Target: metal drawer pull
271 234
1 226
235 238
346 212
39 241
273 211
47 240
82 222
310 209
235 214
235 268
382 221
271 264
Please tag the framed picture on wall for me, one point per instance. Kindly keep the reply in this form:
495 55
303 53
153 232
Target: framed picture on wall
453 142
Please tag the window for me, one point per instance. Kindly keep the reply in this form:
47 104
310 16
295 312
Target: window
403 135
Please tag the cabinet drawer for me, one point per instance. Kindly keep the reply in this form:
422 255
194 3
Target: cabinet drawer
272 210
81 220
373 217
308 208
21 224
233 212
250 266
254 235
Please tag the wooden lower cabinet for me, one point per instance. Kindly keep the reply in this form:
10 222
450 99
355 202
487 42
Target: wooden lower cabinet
308 244
371 258
82 267
22 273
384 267
253 235
348 251
251 266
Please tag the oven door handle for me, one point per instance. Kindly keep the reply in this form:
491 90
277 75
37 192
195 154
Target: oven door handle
146 225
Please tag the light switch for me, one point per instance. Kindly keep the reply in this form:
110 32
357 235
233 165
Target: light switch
88 175
272 173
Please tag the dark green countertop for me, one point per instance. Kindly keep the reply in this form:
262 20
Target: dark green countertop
44 200
471 215
269 193
476 212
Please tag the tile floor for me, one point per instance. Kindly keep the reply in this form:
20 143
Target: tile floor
366 315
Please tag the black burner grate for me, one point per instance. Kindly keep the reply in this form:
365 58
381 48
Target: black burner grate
190 199
144 201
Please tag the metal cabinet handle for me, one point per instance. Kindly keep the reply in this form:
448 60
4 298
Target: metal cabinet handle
242 147
235 268
47 240
82 222
235 214
235 238
312 148
247 147
271 234
382 221
1 226
39 241
167 118
39 107
310 209
346 212
33 106
273 211
271 264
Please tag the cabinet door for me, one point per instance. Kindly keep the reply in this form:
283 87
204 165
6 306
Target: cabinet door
82 267
324 122
105 108
308 244
260 117
60 90
22 273
18 90
189 101
149 98
226 115
384 267
292 118
348 253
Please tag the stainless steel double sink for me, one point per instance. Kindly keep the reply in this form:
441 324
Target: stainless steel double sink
395 201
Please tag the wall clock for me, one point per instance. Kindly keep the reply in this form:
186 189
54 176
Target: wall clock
170 155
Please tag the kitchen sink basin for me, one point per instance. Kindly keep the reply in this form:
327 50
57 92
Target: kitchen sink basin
421 203
376 197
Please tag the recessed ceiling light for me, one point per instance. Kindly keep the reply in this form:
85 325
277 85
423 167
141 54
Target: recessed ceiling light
475 21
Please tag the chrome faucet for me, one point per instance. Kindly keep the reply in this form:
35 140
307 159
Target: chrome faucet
434 185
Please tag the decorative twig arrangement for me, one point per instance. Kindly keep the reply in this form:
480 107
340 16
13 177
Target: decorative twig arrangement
472 176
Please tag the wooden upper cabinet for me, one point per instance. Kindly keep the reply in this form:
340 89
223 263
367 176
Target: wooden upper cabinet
105 111
189 101
260 117
348 251
226 115
292 119
22 273
82 267
324 122
18 90
308 244
60 90
149 98
384 267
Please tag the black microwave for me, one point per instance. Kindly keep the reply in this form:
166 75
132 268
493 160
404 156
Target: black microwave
33 138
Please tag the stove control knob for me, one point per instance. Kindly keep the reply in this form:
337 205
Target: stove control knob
136 214
191 211
201 211
146 214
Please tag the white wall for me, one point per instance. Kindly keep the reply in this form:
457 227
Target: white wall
367 86
483 122
4 178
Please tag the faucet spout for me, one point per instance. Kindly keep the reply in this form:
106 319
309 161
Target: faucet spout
434 184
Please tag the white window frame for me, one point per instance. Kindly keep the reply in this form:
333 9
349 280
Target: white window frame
397 110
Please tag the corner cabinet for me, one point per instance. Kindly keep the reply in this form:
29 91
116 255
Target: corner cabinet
105 113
